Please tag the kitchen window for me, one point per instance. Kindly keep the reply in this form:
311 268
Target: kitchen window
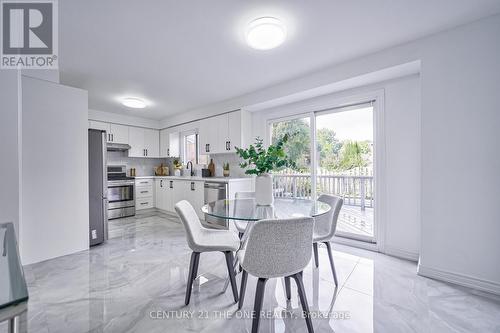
191 152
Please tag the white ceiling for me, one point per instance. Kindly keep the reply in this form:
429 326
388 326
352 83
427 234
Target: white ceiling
186 54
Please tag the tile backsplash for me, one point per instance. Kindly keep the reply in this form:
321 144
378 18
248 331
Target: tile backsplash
143 166
234 164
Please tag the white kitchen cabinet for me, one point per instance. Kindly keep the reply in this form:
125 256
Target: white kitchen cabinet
220 134
144 142
169 143
144 193
161 187
152 142
208 136
118 133
114 133
99 125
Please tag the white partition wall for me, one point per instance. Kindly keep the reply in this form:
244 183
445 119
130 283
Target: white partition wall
54 170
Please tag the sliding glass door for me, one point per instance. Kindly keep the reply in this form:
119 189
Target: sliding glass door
333 151
344 145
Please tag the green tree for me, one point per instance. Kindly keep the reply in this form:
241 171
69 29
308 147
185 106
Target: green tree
352 155
328 147
298 146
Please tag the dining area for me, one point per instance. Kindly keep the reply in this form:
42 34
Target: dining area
265 243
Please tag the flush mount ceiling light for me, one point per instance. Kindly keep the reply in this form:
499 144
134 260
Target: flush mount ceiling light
134 103
265 33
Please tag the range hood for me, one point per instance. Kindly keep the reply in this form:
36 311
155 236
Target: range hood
118 147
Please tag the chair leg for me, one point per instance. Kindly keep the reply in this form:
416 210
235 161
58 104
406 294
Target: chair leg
332 264
288 288
193 270
240 235
230 270
315 248
244 277
259 301
303 300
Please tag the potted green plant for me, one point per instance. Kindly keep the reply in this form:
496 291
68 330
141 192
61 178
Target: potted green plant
225 169
260 161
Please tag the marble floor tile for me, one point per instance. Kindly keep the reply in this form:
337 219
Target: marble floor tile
136 282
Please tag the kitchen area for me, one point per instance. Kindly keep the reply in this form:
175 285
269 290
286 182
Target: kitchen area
133 168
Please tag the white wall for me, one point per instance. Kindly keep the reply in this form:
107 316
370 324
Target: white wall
9 165
116 118
460 185
54 173
402 154
460 156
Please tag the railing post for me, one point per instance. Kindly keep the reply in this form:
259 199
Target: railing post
294 186
363 192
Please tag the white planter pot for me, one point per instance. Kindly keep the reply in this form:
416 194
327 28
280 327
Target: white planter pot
264 190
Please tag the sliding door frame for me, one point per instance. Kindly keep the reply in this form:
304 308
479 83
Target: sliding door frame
322 105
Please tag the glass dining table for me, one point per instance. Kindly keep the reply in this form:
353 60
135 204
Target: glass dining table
248 210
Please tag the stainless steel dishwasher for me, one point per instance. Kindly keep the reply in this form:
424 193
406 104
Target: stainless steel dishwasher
216 191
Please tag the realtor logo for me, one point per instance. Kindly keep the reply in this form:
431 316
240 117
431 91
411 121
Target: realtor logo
29 34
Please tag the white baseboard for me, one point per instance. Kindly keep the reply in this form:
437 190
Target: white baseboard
399 253
460 279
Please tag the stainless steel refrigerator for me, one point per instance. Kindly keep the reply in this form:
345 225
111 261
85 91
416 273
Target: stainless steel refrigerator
98 188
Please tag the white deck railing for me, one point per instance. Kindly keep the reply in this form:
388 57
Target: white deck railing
357 190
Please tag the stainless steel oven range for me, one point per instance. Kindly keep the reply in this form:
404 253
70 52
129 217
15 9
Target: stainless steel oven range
121 192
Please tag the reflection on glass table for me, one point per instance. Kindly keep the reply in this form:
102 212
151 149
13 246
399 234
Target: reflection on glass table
248 210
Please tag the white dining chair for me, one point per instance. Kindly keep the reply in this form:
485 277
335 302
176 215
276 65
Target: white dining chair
324 229
242 225
276 248
201 239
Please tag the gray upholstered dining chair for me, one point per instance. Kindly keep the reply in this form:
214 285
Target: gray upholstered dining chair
324 228
276 248
242 225
201 239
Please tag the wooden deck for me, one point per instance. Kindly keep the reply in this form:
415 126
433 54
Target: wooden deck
353 220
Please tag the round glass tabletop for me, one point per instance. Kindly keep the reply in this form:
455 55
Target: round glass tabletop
248 210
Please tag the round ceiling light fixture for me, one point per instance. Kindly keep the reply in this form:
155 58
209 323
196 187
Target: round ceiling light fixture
265 33
134 103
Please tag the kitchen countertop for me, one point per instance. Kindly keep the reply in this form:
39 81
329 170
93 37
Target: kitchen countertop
198 178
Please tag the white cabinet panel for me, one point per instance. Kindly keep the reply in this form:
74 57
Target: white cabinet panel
144 142
234 131
161 191
164 148
136 142
119 133
174 144
152 142
99 125
208 135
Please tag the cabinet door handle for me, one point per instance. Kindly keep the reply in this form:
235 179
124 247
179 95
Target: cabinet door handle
171 184
208 148
168 151
112 137
229 145
144 191
161 182
192 186
144 203
146 152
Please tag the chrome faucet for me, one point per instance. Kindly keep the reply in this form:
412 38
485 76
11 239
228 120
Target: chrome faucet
187 167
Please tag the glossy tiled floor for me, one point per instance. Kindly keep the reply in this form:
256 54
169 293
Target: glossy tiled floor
136 283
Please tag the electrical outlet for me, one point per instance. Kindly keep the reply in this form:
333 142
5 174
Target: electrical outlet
94 234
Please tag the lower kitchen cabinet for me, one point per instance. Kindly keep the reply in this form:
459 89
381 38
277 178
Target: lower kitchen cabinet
144 194
169 192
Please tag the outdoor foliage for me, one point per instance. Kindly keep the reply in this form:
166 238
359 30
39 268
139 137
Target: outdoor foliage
260 160
334 155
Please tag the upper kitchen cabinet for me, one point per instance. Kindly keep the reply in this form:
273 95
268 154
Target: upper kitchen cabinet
144 142
220 134
208 135
114 133
152 142
169 143
118 133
